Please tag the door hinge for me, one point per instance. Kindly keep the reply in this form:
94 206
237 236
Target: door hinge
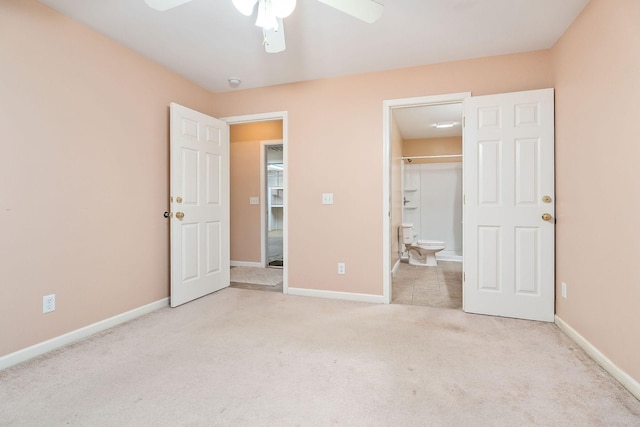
464 276
464 121
464 199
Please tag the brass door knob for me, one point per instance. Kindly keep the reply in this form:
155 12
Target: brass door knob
179 215
545 216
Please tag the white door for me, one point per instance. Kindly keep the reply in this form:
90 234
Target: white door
199 187
509 205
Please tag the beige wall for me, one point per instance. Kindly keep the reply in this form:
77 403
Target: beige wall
84 173
433 147
256 131
335 145
597 75
244 183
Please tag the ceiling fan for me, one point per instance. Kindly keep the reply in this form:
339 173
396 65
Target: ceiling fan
272 12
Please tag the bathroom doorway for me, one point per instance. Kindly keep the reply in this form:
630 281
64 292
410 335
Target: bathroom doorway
431 148
423 145
508 181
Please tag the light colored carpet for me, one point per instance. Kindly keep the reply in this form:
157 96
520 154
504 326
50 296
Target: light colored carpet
256 276
250 358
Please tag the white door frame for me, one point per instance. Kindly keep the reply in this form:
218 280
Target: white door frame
263 117
387 107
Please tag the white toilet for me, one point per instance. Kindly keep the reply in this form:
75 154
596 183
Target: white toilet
421 252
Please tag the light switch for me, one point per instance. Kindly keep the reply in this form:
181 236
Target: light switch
254 200
327 198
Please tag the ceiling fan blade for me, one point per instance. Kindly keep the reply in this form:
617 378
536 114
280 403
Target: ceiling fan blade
245 6
162 5
274 40
366 10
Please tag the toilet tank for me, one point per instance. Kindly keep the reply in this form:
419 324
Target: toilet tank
406 233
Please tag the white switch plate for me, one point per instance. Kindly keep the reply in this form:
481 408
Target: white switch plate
564 290
341 268
327 198
254 200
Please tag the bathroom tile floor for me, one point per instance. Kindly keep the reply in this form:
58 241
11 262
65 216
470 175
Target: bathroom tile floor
439 286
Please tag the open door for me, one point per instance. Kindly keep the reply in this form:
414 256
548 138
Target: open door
199 187
509 205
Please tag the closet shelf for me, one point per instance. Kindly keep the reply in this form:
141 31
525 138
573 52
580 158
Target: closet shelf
440 156
410 189
410 207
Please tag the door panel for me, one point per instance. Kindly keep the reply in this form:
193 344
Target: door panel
214 166
190 172
508 169
190 251
214 246
526 171
527 261
199 203
489 173
489 246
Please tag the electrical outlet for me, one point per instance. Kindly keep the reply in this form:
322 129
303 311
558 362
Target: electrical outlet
341 268
564 290
327 198
49 303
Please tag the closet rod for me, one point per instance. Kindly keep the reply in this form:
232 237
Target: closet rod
431 157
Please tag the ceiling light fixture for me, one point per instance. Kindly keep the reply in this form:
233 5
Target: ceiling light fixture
268 11
234 82
444 125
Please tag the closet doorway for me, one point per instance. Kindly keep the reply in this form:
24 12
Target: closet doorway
250 134
273 178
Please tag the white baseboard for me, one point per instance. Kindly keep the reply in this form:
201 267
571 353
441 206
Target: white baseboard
73 336
395 268
347 296
448 256
246 264
623 378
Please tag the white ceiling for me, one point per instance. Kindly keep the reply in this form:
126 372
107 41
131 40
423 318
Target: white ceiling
208 41
418 122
